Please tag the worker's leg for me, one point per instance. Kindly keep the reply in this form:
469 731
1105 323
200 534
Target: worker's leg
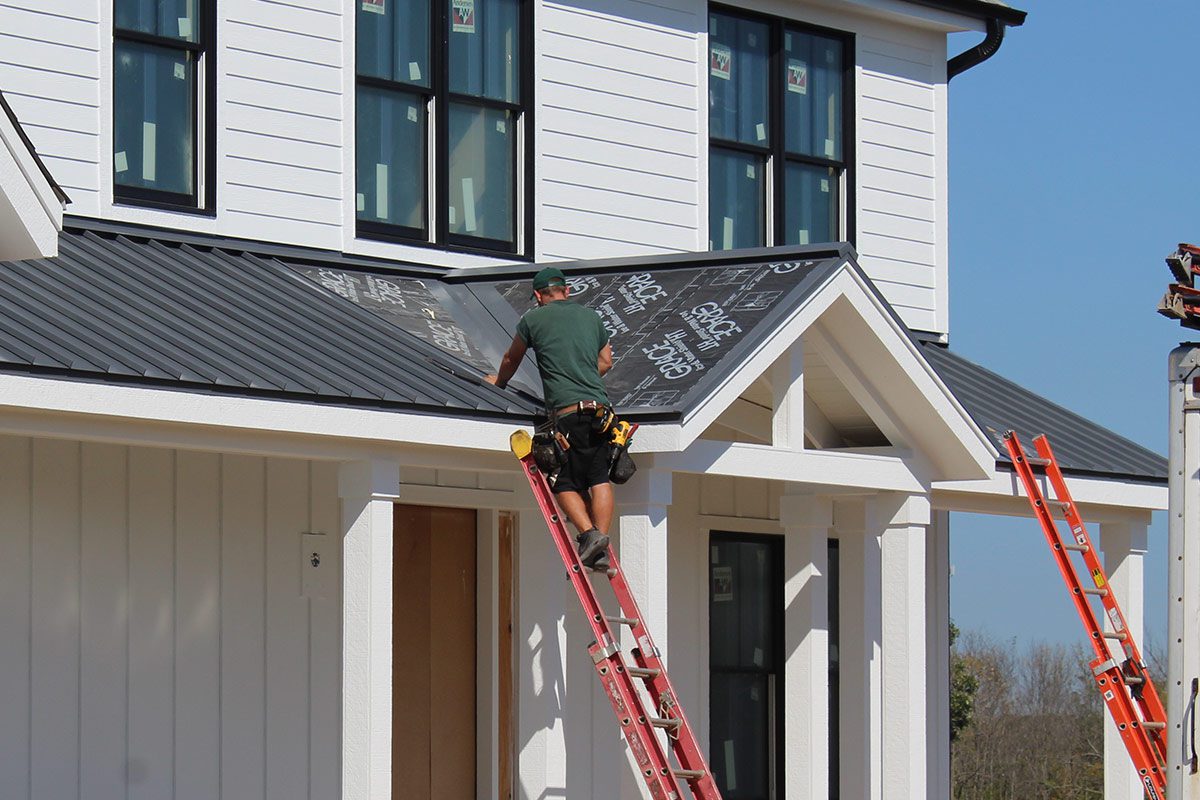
576 509
600 508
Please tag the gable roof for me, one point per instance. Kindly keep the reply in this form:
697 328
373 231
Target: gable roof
130 305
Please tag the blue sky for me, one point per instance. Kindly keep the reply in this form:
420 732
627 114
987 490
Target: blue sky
1073 171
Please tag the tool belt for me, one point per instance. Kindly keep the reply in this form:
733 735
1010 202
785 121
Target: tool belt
550 446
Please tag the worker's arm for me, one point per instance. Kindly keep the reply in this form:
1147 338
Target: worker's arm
604 361
509 364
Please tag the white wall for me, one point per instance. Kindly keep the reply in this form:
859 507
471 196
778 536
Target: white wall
156 643
620 120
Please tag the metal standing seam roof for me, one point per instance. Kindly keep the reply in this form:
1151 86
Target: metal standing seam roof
1081 446
135 306
123 308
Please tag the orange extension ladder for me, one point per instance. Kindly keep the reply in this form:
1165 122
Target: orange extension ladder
1121 676
639 713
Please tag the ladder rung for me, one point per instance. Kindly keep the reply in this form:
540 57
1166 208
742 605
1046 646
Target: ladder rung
1097 592
1120 637
1078 548
688 774
665 722
1037 462
1133 680
1154 726
643 672
623 621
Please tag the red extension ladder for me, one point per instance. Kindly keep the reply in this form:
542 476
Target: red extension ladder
1121 676
639 712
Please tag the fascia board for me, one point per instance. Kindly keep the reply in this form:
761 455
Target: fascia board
27 202
366 426
849 283
27 164
1001 493
900 343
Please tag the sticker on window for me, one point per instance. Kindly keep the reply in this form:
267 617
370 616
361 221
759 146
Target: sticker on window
720 61
414 71
120 161
760 130
501 126
381 191
361 201
750 171
413 116
825 185
462 13
185 27
180 71
797 76
374 6
722 584
829 148
149 152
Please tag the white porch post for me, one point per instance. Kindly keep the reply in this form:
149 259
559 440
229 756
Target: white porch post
367 489
860 634
806 521
937 656
905 724
1124 547
642 522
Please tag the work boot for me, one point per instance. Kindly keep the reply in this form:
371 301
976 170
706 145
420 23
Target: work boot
591 542
600 563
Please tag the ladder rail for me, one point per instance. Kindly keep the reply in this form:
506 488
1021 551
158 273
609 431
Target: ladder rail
1141 726
1147 695
618 685
617 678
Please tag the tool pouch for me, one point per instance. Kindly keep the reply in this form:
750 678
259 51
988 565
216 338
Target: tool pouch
548 452
621 467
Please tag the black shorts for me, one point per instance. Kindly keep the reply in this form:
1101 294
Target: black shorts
587 459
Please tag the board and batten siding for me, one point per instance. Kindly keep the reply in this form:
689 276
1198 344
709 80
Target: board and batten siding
902 208
156 643
620 106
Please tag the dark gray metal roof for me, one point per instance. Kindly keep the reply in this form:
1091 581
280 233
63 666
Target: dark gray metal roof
12 117
135 309
1081 446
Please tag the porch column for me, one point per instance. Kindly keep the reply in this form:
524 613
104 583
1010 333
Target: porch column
368 490
1124 548
905 715
806 521
860 676
937 654
642 523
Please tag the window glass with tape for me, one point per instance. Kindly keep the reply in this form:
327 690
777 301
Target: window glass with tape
391 158
812 98
481 175
174 19
393 40
739 58
810 202
484 40
736 198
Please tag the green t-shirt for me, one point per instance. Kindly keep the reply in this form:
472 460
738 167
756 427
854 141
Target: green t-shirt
567 339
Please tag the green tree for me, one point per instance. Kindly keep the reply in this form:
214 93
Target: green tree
964 683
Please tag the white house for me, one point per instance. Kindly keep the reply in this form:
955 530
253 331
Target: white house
260 532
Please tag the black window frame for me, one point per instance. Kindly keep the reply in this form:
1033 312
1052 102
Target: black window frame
202 199
776 156
438 196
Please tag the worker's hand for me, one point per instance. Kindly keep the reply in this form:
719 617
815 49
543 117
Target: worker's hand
492 379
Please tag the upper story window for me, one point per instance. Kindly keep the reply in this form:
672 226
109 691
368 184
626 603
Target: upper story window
442 122
163 74
777 142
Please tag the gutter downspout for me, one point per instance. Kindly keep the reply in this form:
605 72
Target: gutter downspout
980 52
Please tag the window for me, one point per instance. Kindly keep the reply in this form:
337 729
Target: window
777 142
442 122
163 82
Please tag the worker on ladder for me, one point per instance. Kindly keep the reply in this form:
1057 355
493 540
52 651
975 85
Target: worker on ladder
573 353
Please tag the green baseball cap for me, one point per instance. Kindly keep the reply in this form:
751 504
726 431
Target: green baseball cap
550 276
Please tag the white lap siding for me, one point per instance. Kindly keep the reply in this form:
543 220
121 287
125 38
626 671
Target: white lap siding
156 643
